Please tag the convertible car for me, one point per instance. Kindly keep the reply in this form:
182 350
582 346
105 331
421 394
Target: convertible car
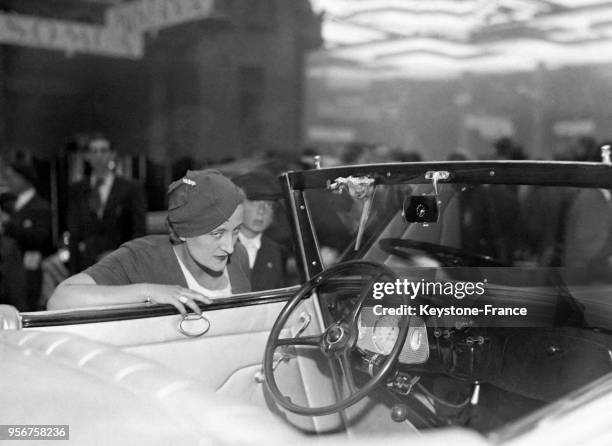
458 303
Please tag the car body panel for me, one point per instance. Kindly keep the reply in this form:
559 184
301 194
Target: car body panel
100 358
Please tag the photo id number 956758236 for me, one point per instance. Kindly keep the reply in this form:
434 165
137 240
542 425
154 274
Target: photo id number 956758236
34 432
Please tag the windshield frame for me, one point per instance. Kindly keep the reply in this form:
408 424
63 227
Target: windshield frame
535 173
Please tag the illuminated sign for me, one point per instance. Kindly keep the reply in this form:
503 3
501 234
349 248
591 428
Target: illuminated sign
70 37
121 36
146 15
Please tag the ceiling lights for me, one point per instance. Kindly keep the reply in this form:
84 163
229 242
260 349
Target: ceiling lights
446 38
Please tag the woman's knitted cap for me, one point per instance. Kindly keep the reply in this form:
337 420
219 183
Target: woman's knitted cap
201 201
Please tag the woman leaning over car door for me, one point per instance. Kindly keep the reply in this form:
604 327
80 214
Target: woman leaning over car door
198 261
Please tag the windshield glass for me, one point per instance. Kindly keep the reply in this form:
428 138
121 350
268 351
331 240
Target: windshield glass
550 240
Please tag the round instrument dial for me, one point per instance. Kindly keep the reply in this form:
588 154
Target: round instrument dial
385 333
416 339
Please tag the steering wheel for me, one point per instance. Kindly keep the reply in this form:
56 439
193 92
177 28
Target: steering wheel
336 342
447 255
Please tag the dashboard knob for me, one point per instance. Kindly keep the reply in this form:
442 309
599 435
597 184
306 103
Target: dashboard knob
399 413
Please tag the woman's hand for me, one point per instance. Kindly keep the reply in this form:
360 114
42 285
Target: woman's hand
176 296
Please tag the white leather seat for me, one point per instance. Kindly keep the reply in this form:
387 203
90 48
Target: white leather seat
111 397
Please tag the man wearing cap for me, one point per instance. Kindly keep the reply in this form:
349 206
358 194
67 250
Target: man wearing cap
28 222
266 257
198 260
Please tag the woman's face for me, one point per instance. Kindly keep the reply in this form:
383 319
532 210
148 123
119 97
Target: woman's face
212 250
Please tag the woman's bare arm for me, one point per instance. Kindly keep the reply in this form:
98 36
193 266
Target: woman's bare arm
81 291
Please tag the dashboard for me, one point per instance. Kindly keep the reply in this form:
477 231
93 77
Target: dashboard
378 334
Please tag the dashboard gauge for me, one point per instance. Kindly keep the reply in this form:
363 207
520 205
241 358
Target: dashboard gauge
384 334
416 339
361 328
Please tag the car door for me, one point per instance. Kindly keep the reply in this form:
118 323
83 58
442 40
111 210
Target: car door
223 349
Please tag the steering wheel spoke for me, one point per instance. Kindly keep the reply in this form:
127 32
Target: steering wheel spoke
337 379
342 375
347 371
314 341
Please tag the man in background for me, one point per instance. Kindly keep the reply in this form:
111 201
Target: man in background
267 258
104 209
27 220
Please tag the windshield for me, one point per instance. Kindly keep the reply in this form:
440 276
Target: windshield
539 240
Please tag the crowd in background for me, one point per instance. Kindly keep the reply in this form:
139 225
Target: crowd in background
106 209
